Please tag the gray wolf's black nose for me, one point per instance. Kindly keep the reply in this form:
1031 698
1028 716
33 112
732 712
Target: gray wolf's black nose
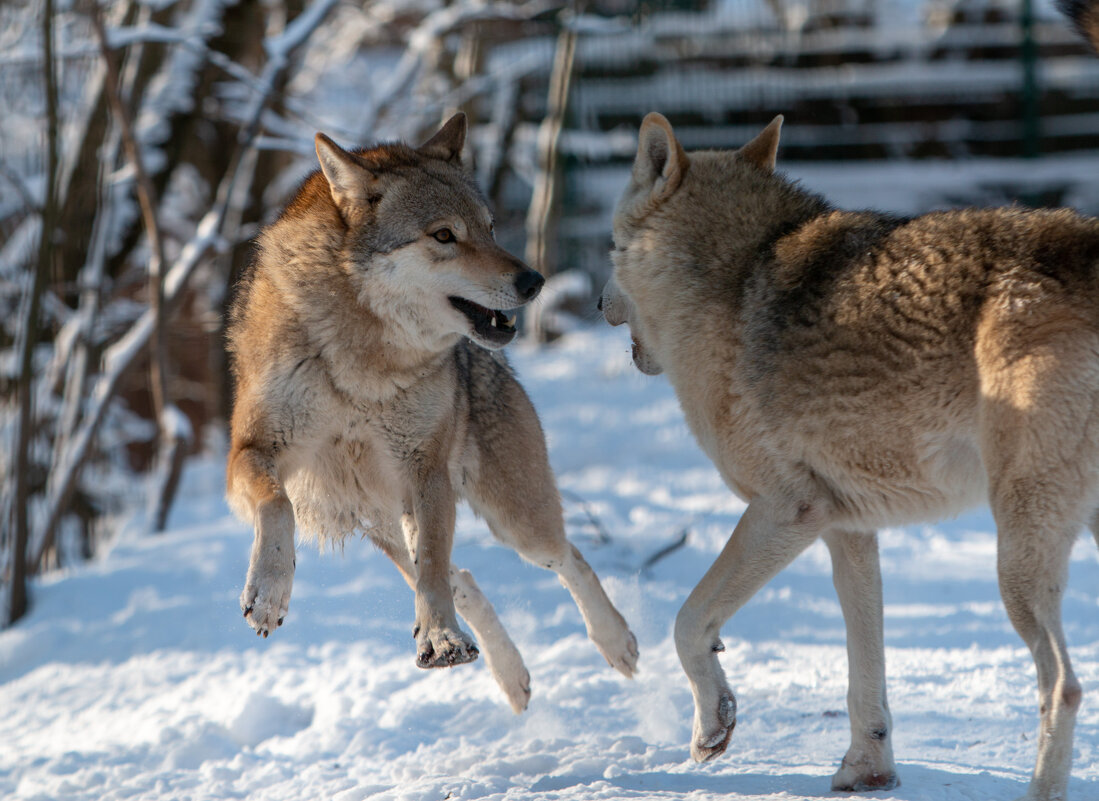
528 283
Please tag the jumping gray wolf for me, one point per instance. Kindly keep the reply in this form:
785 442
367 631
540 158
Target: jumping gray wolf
851 370
369 398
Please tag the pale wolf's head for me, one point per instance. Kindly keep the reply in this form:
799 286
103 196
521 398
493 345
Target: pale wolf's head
420 243
662 222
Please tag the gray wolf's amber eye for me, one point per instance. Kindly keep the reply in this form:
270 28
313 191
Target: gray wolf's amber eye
444 235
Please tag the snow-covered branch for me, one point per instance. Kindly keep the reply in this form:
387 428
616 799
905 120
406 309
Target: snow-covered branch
120 356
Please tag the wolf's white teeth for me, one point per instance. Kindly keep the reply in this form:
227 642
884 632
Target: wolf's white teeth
511 321
493 321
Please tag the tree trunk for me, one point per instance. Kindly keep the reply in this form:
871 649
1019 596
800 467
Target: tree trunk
545 203
17 599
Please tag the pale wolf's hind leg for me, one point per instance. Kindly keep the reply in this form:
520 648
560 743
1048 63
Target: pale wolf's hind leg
1040 440
501 656
1032 562
856 573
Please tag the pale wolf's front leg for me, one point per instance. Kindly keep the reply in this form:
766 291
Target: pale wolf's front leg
440 642
764 541
856 572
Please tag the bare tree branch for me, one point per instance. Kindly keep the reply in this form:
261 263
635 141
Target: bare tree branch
546 198
434 26
173 437
122 354
20 189
17 598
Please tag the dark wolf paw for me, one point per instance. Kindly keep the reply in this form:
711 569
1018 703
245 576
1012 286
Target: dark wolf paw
444 647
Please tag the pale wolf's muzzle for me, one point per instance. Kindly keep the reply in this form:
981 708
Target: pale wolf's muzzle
617 308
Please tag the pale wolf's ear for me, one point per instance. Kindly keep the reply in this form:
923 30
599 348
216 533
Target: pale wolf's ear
763 150
447 143
347 177
661 161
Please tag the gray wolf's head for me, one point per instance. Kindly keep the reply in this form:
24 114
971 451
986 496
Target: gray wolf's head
662 221
420 242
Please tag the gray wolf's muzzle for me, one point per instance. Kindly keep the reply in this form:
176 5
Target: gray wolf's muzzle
528 284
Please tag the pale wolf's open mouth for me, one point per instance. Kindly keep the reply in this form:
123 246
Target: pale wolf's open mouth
488 324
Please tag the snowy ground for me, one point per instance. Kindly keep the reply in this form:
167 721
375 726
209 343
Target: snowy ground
135 677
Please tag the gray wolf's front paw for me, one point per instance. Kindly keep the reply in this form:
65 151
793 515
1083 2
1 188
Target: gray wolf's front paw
443 646
711 737
266 597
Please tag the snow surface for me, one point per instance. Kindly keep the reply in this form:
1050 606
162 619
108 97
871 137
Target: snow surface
135 677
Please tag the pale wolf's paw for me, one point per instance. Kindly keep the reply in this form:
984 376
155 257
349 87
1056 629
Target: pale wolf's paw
616 642
443 647
266 597
711 738
859 776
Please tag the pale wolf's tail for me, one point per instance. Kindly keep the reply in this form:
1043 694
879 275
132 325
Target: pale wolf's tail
1085 16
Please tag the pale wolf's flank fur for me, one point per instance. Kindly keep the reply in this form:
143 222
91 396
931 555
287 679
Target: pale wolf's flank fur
368 399
852 370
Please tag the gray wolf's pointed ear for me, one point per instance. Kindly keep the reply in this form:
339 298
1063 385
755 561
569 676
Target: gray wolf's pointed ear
763 150
347 177
661 161
447 143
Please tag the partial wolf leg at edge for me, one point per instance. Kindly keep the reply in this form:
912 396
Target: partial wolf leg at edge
856 573
1040 443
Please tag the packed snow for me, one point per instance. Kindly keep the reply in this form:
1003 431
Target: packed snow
134 676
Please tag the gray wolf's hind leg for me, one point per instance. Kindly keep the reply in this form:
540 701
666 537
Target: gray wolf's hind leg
515 492
501 656
530 521
856 573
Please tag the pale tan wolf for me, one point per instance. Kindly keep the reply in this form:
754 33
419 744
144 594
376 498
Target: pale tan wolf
852 370
368 399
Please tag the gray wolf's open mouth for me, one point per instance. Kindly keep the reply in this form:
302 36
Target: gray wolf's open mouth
489 324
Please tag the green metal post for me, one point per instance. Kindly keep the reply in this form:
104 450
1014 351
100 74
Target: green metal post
1029 100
